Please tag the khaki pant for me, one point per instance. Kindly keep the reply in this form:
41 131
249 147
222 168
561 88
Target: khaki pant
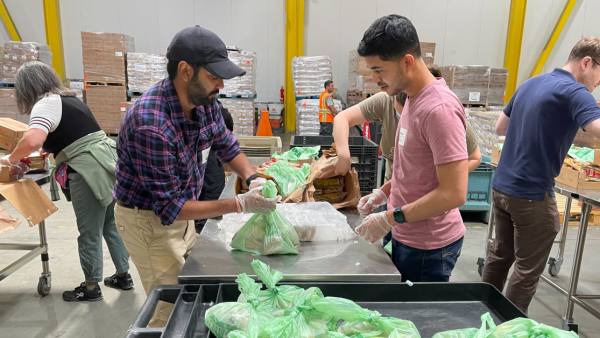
157 251
525 231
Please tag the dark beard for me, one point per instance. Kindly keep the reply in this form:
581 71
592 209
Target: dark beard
197 94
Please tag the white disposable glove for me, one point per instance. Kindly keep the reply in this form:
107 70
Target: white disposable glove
254 202
367 204
257 182
374 227
5 161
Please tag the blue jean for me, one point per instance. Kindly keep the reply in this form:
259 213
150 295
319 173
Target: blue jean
419 265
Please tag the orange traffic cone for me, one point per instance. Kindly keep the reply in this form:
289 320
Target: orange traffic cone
264 126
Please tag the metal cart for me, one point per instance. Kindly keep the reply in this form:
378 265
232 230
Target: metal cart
35 250
589 199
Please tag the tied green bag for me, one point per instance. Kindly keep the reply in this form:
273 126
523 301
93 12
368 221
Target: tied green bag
364 322
224 318
299 153
267 234
275 297
288 178
516 328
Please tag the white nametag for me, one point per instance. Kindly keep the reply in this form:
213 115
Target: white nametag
402 137
205 154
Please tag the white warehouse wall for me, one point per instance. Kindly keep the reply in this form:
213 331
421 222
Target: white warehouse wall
465 31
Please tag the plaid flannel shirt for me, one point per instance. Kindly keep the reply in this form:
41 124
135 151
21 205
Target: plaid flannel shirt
162 154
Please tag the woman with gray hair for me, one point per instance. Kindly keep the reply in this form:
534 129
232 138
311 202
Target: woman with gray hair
85 168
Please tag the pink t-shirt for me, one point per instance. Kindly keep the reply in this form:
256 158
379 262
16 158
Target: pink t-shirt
431 131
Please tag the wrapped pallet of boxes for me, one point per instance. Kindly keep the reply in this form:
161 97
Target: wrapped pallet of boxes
145 70
125 107
241 85
309 74
8 104
307 116
11 132
428 52
105 104
484 126
497 86
17 53
242 113
469 83
104 56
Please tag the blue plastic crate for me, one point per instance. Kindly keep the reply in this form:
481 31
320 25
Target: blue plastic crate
479 191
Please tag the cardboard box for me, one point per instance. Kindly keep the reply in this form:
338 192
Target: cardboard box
428 52
29 200
496 152
575 179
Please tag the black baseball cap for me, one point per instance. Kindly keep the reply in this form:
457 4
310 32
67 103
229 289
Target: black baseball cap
199 45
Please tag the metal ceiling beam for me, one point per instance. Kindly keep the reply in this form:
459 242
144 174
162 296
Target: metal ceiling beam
294 46
8 22
54 35
514 39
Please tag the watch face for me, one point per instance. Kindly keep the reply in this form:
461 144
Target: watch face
399 215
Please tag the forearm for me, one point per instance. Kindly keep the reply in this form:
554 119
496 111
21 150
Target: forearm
193 210
340 134
241 166
386 188
24 148
433 204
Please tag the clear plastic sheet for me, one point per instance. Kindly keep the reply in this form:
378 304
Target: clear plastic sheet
16 53
244 84
313 222
309 74
144 70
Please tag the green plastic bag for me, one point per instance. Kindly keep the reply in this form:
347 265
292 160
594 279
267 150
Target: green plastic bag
482 332
275 297
528 328
224 318
364 322
267 234
288 179
582 154
388 247
299 153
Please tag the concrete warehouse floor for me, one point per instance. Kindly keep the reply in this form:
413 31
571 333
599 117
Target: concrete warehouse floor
24 314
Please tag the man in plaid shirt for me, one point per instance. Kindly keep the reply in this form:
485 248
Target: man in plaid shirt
163 147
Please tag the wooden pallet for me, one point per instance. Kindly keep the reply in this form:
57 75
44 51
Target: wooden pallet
575 216
479 105
101 83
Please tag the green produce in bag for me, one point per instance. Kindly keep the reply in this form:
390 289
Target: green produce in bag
267 234
482 332
288 178
275 297
299 153
528 328
224 318
364 322
388 247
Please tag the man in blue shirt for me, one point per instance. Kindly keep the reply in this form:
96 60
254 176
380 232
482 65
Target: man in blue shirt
540 123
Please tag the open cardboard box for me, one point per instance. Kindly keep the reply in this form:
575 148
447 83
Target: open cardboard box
29 200
240 184
576 179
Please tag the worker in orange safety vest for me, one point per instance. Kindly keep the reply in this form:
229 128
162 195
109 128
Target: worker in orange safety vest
327 110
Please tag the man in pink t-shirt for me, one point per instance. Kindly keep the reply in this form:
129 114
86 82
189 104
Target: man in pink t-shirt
430 175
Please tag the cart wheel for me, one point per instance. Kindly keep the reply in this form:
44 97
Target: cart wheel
44 287
553 268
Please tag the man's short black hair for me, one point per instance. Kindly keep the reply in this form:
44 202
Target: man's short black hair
173 65
327 83
390 37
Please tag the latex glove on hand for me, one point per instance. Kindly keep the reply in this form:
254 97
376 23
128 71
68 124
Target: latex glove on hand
5 161
257 182
374 227
254 202
367 204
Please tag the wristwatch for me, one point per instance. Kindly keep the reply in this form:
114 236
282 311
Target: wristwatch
251 178
399 215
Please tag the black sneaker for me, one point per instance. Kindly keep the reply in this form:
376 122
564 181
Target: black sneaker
116 282
81 294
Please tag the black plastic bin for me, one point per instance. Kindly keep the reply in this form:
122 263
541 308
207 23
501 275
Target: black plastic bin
362 148
433 307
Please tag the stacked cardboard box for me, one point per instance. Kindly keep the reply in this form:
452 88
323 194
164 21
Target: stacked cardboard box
105 104
353 98
104 56
428 52
8 104
309 74
484 126
243 85
125 107
242 113
469 83
497 86
275 117
16 53
11 132
144 70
